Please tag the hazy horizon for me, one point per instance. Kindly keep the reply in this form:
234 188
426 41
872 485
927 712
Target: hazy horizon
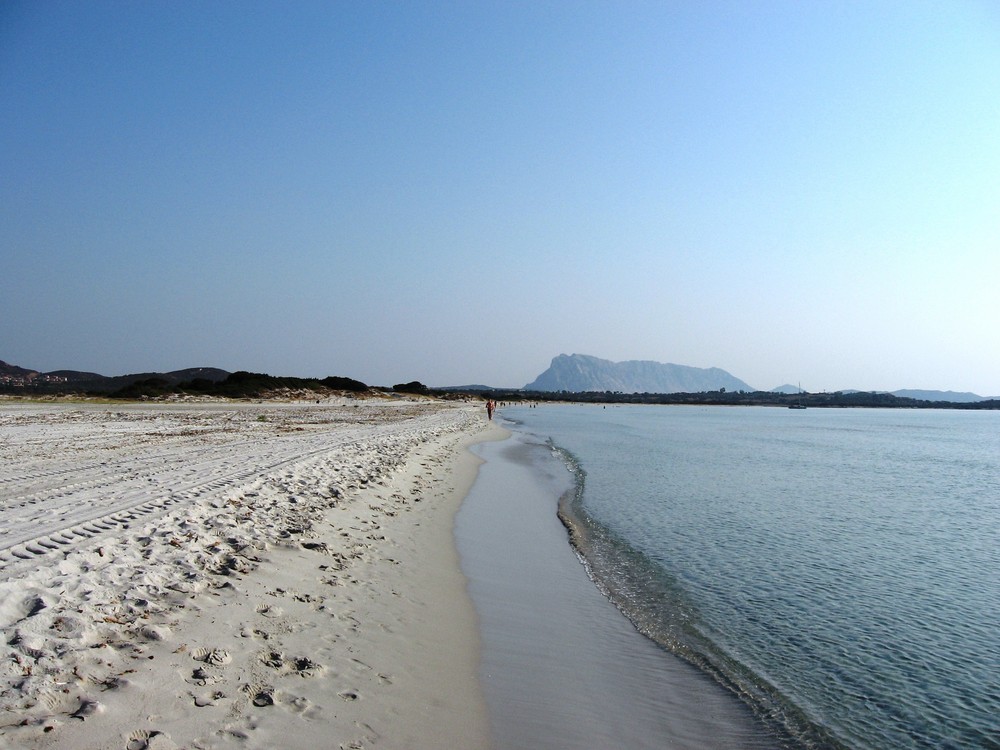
774 387
456 193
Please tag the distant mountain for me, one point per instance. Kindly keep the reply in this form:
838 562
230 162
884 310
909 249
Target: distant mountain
581 372
204 381
952 396
13 377
13 371
786 388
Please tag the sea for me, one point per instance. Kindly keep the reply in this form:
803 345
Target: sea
802 579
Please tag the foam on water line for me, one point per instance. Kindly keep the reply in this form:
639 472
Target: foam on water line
561 667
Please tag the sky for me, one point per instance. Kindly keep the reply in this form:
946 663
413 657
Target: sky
457 192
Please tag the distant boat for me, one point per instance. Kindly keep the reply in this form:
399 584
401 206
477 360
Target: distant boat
798 404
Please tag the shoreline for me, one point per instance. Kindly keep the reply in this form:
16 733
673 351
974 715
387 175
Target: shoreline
562 665
305 592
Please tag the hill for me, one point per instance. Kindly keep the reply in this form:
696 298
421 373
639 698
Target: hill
786 388
951 396
196 381
62 381
583 373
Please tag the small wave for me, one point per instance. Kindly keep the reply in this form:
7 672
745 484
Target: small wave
659 608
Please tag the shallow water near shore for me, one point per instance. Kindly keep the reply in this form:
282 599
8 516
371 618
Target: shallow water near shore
561 667
835 568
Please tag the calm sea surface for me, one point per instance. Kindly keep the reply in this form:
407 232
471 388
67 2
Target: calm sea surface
838 569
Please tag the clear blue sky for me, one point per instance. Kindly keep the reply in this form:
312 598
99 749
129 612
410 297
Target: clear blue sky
456 192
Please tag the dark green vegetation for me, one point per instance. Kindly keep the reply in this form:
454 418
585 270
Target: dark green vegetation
199 381
238 385
19 380
207 381
414 386
723 397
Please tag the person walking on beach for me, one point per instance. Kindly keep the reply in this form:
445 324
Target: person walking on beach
490 406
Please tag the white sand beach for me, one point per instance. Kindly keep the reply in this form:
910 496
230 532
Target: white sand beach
217 575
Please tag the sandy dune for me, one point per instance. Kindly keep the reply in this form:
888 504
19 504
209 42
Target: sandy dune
217 575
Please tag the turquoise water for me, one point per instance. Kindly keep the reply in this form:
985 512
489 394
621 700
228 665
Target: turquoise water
838 569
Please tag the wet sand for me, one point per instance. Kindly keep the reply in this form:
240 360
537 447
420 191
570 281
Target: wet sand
561 667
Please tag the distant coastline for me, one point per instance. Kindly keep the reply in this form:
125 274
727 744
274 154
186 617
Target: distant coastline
208 382
839 399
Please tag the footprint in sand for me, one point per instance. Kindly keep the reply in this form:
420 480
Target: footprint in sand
202 677
264 698
300 665
142 739
268 611
254 633
274 660
138 740
216 657
207 699
87 709
303 707
305 667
